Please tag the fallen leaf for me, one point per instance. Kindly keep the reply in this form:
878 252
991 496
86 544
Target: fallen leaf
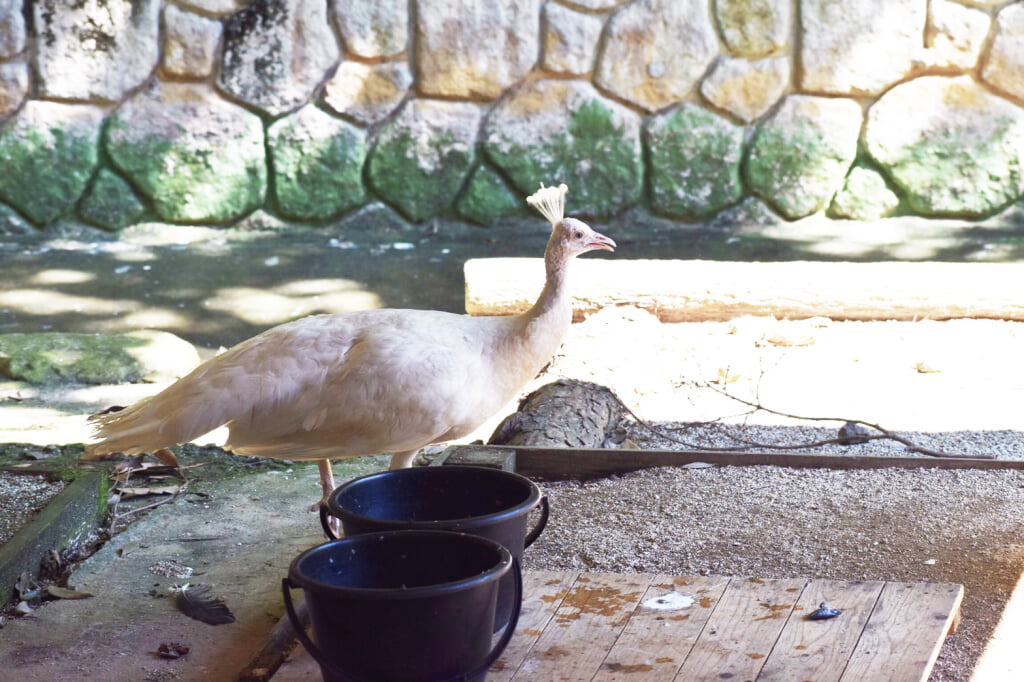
65 593
143 492
172 650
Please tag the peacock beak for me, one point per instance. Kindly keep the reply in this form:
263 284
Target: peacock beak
599 241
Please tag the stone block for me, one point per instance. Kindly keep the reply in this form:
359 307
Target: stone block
14 84
199 158
471 49
859 47
754 28
487 198
570 40
421 158
694 158
95 49
953 147
747 89
110 202
367 93
556 131
655 51
12 28
190 44
276 53
372 28
1004 63
318 164
48 151
800 156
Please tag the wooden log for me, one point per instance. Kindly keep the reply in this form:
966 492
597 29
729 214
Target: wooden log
279 643
564 413
583 463
694 290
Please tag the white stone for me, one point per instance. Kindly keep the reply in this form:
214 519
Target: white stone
859 47
367 93
675 33
373 28
747 89
95 49
1004 64
468 48
14 83
190 43
754 28
276 54
570 40
955 34
12 28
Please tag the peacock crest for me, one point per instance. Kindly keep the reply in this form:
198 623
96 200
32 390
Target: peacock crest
550 201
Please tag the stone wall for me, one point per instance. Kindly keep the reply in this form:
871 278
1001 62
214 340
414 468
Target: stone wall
114 112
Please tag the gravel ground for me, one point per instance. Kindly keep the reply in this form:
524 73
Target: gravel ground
928 381
21 498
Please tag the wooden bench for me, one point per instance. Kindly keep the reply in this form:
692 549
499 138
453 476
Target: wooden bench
605 626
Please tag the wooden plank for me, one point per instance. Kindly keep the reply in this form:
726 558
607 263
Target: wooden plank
695 290
543 592
583 463
905 632
584 627
742 630
819 649
656 641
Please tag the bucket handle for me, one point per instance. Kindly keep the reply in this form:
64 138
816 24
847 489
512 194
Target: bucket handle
318 656
324 513
541 523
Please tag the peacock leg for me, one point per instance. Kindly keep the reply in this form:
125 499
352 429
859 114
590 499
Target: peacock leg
402 460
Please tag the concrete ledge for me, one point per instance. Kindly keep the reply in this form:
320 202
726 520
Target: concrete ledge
697 290
69 516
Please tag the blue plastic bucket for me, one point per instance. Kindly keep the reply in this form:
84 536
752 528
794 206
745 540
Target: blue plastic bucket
403 606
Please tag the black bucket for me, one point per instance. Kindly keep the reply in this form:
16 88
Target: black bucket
407 606
491 503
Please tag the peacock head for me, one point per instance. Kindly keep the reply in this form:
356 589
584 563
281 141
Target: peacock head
569 235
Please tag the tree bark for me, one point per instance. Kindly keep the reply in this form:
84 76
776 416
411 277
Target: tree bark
565 413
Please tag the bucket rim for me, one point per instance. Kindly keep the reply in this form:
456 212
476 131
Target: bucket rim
503 565
466 522
531 501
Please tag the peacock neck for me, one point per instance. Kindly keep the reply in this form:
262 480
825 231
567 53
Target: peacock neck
554 302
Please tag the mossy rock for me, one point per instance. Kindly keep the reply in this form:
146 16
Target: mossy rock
420 159
317 161
54 357
801 155
694 158
487 198
950 145
198 157
11 222
865 196
557 131
111 203
48 152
